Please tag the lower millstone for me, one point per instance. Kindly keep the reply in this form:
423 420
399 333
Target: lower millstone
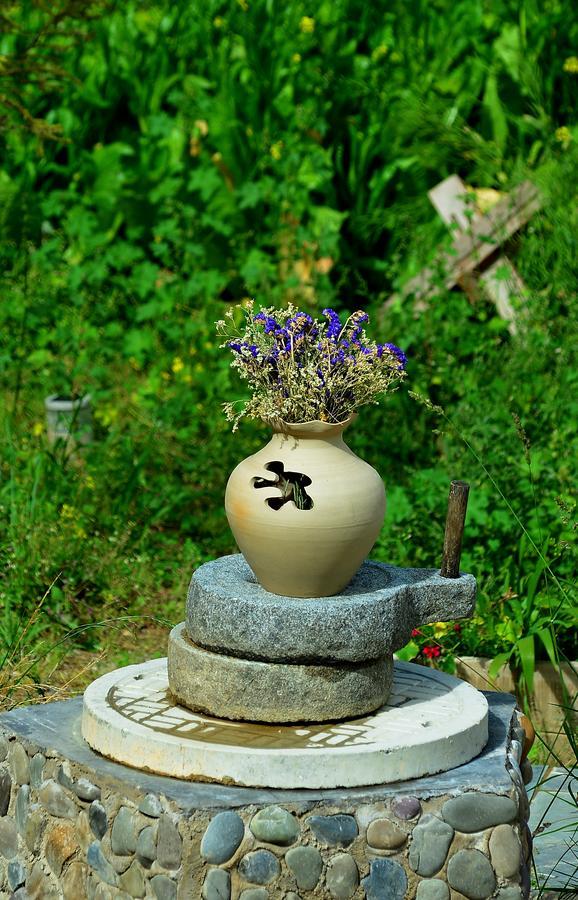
233 688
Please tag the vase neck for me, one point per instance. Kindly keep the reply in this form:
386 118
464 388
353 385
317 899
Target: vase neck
319 431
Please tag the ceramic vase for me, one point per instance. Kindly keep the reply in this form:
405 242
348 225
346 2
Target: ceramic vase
305 510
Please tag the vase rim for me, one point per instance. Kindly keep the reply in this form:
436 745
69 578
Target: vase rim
311 427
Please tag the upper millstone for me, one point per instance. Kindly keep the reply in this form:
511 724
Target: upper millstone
229 612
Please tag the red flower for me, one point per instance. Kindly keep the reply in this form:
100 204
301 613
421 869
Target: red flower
431 652
415 632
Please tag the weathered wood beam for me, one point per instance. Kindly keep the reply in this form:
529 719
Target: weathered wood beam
499 281
455 206
470 249
453 203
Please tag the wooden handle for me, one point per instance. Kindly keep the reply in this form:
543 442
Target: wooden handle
456 517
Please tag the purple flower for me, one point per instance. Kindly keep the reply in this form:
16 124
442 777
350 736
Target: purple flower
299 322
271 326
241 347
334 327
337 358
304 326
355 325
396 351
283 338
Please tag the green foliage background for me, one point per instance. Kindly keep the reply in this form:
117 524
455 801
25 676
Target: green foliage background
213 151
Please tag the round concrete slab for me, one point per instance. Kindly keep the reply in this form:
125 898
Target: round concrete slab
229 612
232 688
431 723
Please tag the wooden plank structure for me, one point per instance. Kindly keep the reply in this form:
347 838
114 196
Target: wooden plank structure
475 261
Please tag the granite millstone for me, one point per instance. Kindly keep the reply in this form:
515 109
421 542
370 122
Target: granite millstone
233 688
228 611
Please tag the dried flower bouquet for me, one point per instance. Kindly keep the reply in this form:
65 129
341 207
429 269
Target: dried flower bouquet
300 369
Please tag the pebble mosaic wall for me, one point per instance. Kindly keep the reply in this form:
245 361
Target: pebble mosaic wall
64 835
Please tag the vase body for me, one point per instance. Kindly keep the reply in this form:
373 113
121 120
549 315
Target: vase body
309 541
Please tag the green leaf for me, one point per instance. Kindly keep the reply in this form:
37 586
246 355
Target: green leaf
498 663
381 179
410 651
545 636
534 578
250 194
525 649
495 110
39 358
507 49
138 341
326 221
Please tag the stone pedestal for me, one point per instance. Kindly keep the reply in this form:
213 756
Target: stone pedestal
75 825
244 653
431 722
